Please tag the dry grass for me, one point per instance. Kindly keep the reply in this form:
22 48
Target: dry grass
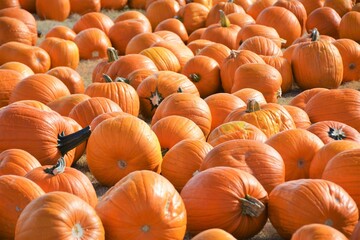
85 69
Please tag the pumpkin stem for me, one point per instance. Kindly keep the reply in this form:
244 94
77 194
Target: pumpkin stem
122 79
107 78
251 206
58 168
112 54
252 106
66 143
224 20
194 77
336 134
314 35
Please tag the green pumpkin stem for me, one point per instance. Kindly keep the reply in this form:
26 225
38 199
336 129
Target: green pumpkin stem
58 168
224 20
68 142
112 54
107 78
252 106
251 206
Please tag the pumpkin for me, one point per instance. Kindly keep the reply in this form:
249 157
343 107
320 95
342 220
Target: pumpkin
156 210
82 7
131 134
204 72
44 133
86 110
62 52
196 34
163 58
341 106
65 104
28 5
25 16
221 104
261 45
326 20
297 162
48 212
103 65
317 231
227 7
311 5
80 149
70 77
308 55
235 59
59 177
241 19
351 18
284 67
154 88
141 41
138 75
216 51
174 25
301 99
255 8
311 201
350 54
270 118
111 4
278 17
187 105
259 76
23 69
213 233
123 31
346 163
33 56
222 32
16 193
230 193
97 120
183 161
246 94
252 30
16 161
168 9
341 7
327 152
297 8
356 232
93 20
124 65
172 129
92 43
61 31
9 4
193 16
8 80
45 9
252 156
169 36
118 91
13 29
299 116
330 130
235 130
41 87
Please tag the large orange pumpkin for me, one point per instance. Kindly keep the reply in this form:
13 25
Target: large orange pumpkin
16 161
238 202
155 211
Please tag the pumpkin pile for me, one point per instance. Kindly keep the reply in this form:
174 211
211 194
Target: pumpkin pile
201 119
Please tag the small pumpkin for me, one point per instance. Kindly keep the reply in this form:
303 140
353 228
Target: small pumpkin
318 231
16 161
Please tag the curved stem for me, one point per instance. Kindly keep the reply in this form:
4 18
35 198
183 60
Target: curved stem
252 106
58 168
251 206
68 142
107 78
112 54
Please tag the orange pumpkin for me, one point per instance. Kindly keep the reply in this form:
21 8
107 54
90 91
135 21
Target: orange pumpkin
93 20
318 231
299 116
312 201
168 9
8 81
103 65
241 197
350 54
65 104
80 219
326 20
151 193
61 31
252 156
131 133
217 51
70 77
16 161
183 160
62 52
193 15
23 69
82 7
13 29
213 233
351 18
252 30
45 9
